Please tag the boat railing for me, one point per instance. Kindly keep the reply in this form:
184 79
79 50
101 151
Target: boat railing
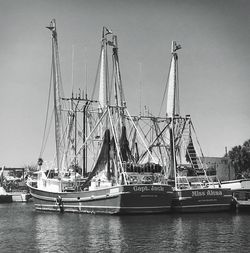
100 184
141 168
213 181
148 173
184 182
146 178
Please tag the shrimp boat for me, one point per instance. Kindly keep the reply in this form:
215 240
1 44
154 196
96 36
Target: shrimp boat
96 169
173 140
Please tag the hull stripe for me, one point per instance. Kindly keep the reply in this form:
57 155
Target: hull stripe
190 206
83 199
183 198
79 206
75 199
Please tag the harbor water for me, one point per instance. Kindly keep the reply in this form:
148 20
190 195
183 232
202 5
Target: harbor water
22 229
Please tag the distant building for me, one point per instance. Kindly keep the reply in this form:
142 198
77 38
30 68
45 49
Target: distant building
220 166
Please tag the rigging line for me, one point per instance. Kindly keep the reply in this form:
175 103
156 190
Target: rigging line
133 135
113 83
90 134
48 132
46 117
141 137
109 87
148 131
118 75
177 99
181 132
203 165
142 131
165 90
164 139
79 126
59 70
108 90
196 138
121 86
62 142
159 135
61 91
156 126
97 74
116 141
156 138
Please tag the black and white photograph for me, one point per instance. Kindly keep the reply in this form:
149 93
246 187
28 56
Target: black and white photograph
125 126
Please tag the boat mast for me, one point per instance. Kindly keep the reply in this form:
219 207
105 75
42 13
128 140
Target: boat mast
84 131
118 90
172 82
171 105
56 85
103 89
104 85
120 99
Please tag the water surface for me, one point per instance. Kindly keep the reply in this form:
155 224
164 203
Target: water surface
22 229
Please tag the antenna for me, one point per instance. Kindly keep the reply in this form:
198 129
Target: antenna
140 85
72 67
86 70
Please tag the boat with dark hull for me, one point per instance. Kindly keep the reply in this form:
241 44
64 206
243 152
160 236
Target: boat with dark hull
96 168
126 199
202 200
194 191
176 146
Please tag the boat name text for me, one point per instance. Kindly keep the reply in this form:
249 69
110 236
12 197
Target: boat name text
206 193
146 188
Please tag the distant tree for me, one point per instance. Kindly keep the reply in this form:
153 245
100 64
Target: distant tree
246 147
246 144
240 158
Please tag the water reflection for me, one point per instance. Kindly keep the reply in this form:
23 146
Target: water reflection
78 233
146 233
50 232
206 232
51 235
104 234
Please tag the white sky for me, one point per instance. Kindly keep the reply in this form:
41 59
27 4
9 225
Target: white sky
214 63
